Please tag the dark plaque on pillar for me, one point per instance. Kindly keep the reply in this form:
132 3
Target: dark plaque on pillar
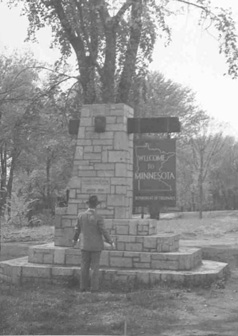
100 124
74 126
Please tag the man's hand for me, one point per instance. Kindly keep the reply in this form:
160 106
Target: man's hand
74 243
113 245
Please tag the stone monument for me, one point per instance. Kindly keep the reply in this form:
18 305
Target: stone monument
103 165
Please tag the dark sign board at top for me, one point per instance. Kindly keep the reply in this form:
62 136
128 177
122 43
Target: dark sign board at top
154 125
154 172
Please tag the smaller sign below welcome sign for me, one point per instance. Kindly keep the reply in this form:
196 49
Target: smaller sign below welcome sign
95 185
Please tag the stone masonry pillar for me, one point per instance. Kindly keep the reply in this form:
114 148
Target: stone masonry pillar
103 165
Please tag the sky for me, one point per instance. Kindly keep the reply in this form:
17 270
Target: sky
192 59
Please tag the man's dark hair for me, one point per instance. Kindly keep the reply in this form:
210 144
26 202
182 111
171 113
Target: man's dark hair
93 201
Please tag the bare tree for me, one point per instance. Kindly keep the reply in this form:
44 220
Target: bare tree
204 148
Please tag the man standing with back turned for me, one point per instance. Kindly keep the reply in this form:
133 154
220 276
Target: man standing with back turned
92 229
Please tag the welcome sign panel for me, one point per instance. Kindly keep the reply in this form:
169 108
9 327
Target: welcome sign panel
154 172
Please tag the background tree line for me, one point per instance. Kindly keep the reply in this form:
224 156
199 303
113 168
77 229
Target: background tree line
36 149
113 42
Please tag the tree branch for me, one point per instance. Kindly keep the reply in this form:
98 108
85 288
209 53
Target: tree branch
84 31
103 12
194 5
128 71
37 67
75 40
122 11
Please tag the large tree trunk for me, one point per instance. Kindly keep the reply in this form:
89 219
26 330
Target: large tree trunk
15 154
131 53
200 198
87 80
108 71
3 177
84 59
48 189
9 186
3 155
200 185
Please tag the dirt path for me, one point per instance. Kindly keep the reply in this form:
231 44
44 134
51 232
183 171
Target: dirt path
212 312
209 312
216 234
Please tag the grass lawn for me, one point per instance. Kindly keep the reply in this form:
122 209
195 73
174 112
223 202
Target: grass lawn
63 310
164 311
48 310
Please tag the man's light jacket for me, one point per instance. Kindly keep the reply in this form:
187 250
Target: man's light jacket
92 229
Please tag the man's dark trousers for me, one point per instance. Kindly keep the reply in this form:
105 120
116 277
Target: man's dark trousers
89 259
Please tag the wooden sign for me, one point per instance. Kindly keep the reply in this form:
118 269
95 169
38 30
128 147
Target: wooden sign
154 125
154 172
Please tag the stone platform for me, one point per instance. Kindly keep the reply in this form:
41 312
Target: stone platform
184 259
141 255
20 271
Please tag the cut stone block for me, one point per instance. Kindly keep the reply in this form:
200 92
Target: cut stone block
73 260
64 237
59 256
36 270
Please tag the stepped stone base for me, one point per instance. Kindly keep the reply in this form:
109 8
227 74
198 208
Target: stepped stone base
155 243
141 255
184 259
19 271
